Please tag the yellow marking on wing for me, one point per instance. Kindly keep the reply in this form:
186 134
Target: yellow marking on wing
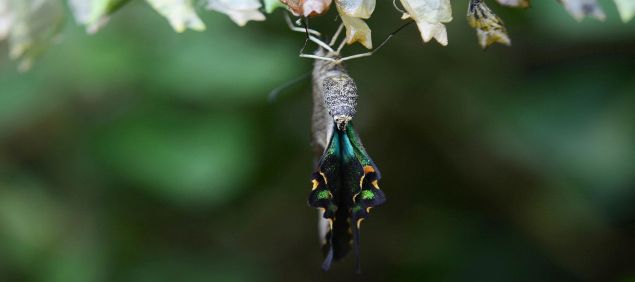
326 181
315 184
359 222
361 181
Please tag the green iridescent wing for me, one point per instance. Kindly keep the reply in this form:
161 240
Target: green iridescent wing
360 151
334 185
344 189
368 195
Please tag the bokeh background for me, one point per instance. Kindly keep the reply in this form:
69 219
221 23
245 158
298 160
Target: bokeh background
140 154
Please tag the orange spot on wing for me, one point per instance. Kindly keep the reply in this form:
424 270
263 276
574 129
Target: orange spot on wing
368 169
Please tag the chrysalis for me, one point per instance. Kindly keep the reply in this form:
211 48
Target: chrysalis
489 27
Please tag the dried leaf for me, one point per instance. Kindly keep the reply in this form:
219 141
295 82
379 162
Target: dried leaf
34 26
356 8
430 16
356 30
271 5
94 14
581 8
626 9
180 14
240 11
515 3
307 8
489 27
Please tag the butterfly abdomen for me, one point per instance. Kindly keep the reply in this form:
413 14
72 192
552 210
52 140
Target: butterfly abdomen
340 97
337 89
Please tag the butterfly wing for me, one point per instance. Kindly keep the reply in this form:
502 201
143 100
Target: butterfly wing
344 188
368 195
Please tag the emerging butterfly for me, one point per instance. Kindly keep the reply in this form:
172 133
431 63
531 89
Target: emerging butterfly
345 180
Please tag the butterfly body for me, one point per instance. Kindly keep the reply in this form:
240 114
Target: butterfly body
336 87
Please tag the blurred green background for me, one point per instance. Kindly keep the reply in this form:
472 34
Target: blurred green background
140 154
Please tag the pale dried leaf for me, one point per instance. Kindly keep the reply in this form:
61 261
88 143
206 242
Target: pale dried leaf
581 8
430 16
35 24
240 11
515 3
315 7
307 8
94 14
356 8
180 14
433 30
356 31
489 27
626 9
